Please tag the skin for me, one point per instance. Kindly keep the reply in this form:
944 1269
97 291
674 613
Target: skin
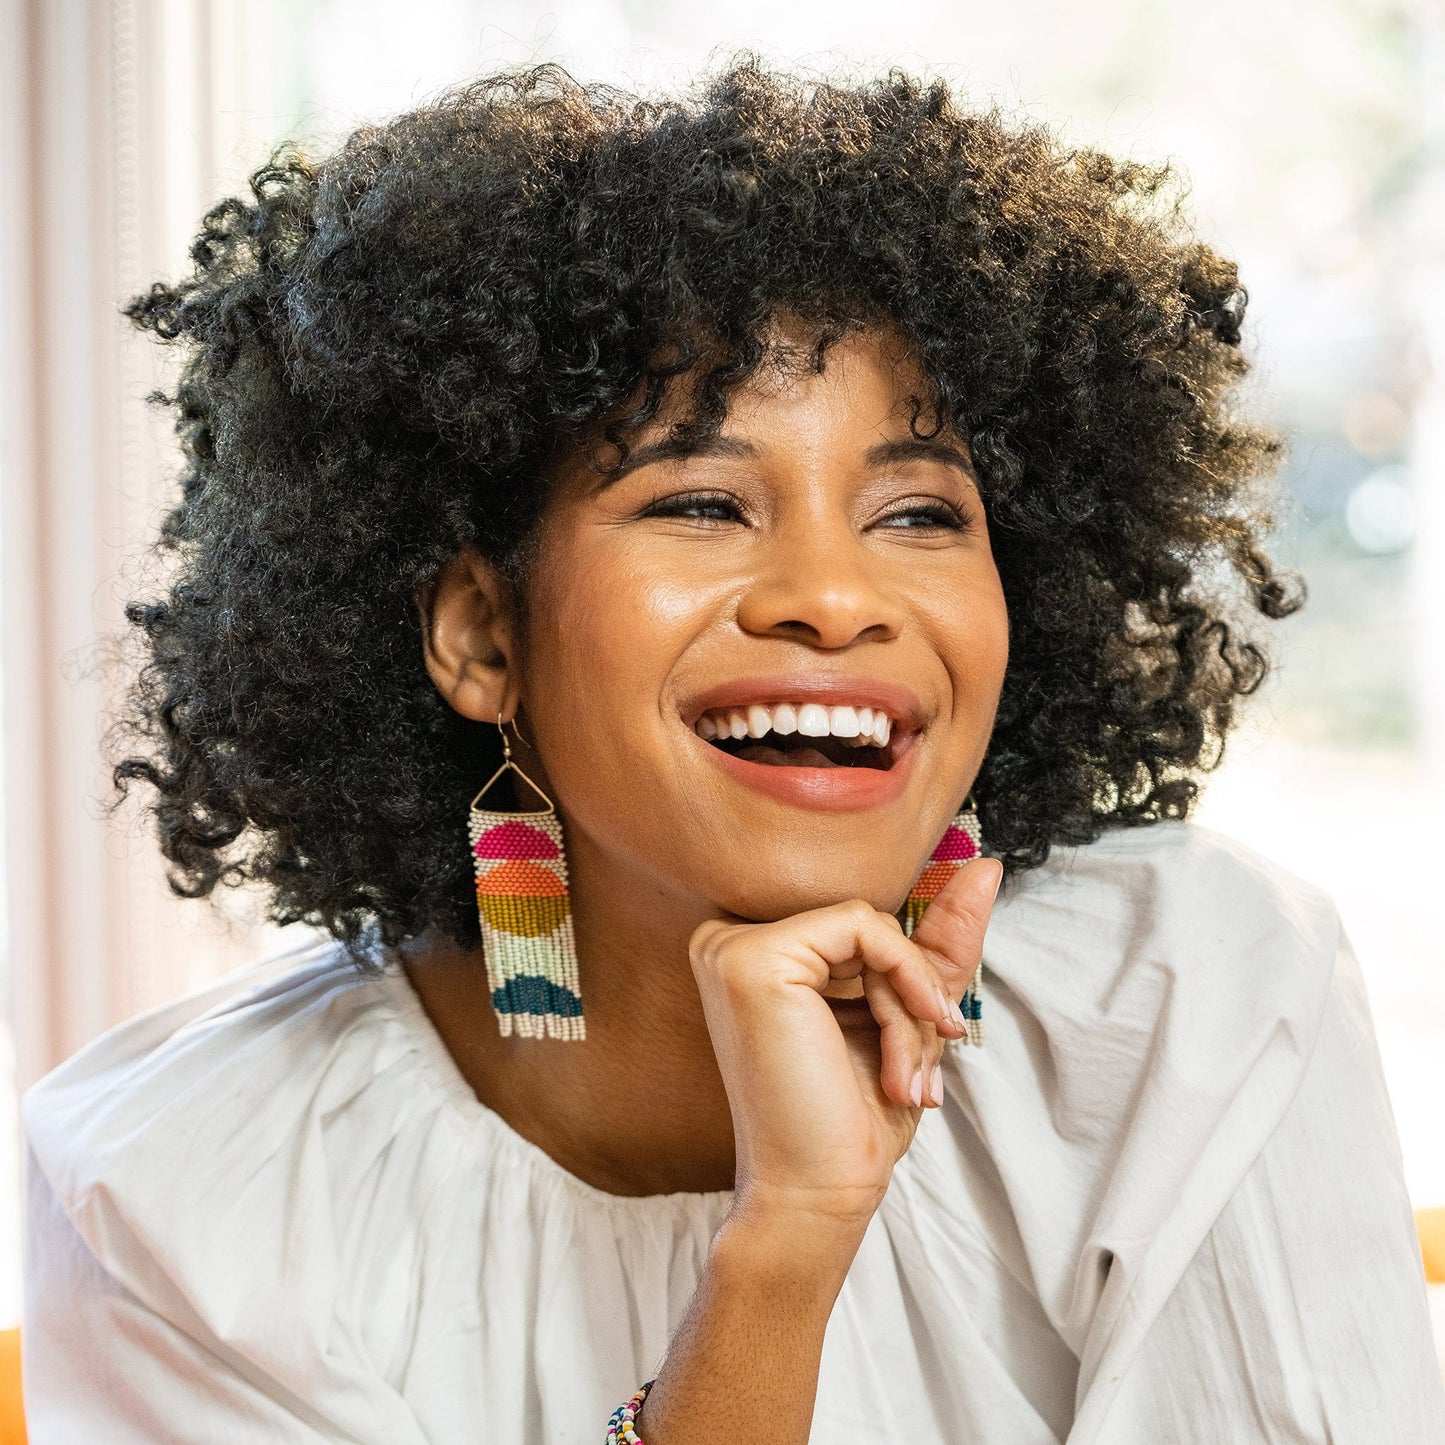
806 556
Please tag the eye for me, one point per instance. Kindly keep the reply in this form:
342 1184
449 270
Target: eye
704 506
934 514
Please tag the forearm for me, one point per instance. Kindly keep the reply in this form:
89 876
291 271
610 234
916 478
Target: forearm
752 1337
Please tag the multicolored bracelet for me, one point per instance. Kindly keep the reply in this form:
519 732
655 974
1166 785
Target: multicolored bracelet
619 1427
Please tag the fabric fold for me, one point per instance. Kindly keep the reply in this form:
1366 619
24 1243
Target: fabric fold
277 1212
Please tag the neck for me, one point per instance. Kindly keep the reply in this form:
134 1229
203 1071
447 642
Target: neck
638 1106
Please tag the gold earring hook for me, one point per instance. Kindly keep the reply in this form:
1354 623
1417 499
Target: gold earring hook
515 729
508 763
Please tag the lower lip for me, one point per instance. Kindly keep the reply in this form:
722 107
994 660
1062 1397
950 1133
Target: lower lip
829 790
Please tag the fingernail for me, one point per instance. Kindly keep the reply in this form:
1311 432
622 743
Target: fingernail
997 882
949 1008
916 1092
935 1084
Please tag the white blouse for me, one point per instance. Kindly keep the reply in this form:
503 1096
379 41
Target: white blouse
1163 1203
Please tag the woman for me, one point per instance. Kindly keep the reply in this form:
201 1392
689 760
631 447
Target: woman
739 510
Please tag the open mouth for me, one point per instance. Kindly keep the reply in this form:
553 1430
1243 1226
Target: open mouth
796 751
818 753
805 735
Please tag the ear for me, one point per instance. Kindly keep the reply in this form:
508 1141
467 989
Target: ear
469 637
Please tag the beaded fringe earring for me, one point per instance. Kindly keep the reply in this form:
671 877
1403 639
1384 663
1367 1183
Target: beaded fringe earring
526 915
962 841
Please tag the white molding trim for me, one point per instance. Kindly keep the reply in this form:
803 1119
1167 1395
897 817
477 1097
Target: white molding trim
108 137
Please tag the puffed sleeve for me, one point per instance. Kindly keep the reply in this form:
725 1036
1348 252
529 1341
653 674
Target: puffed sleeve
183 1255
1302 1316
103 1364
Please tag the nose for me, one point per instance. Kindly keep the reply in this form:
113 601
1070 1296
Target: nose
820 584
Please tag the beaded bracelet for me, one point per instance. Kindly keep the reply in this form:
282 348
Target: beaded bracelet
619 1427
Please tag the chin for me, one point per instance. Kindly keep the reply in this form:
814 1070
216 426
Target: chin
782 897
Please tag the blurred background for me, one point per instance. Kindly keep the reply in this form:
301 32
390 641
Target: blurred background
1315 140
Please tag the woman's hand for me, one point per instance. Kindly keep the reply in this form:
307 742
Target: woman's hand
824 1104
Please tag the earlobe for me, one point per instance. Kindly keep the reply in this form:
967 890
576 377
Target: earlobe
468 636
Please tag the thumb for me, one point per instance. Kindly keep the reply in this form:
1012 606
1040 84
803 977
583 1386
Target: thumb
954 923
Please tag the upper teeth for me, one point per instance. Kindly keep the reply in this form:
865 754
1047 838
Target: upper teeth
863 725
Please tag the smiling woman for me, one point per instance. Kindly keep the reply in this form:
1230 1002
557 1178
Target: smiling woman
805 557
797 489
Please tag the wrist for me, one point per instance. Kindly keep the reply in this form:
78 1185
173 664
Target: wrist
830 1220
755 1328
803 1252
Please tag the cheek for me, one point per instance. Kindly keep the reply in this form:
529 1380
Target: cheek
993 639
971 630
607 632
580 625
605 641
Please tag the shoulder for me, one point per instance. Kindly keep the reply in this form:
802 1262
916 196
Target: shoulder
286 1129
1152 1003
216 1096
1155 997
1179 900
1177 861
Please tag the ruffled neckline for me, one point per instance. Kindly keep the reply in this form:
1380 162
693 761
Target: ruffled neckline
475 1116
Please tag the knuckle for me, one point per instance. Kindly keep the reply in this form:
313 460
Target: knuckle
725 967
708 943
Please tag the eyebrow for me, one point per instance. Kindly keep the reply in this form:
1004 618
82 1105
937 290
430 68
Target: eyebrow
671 449
902 449
920 449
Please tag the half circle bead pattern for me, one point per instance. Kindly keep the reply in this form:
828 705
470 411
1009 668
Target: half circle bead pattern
962 840
525 912
524 898
514 839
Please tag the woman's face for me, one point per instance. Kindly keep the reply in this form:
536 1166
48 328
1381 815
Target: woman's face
813 560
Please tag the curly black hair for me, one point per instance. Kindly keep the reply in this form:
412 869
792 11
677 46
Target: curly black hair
384 353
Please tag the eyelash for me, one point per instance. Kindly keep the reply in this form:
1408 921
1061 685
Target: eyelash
944 514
